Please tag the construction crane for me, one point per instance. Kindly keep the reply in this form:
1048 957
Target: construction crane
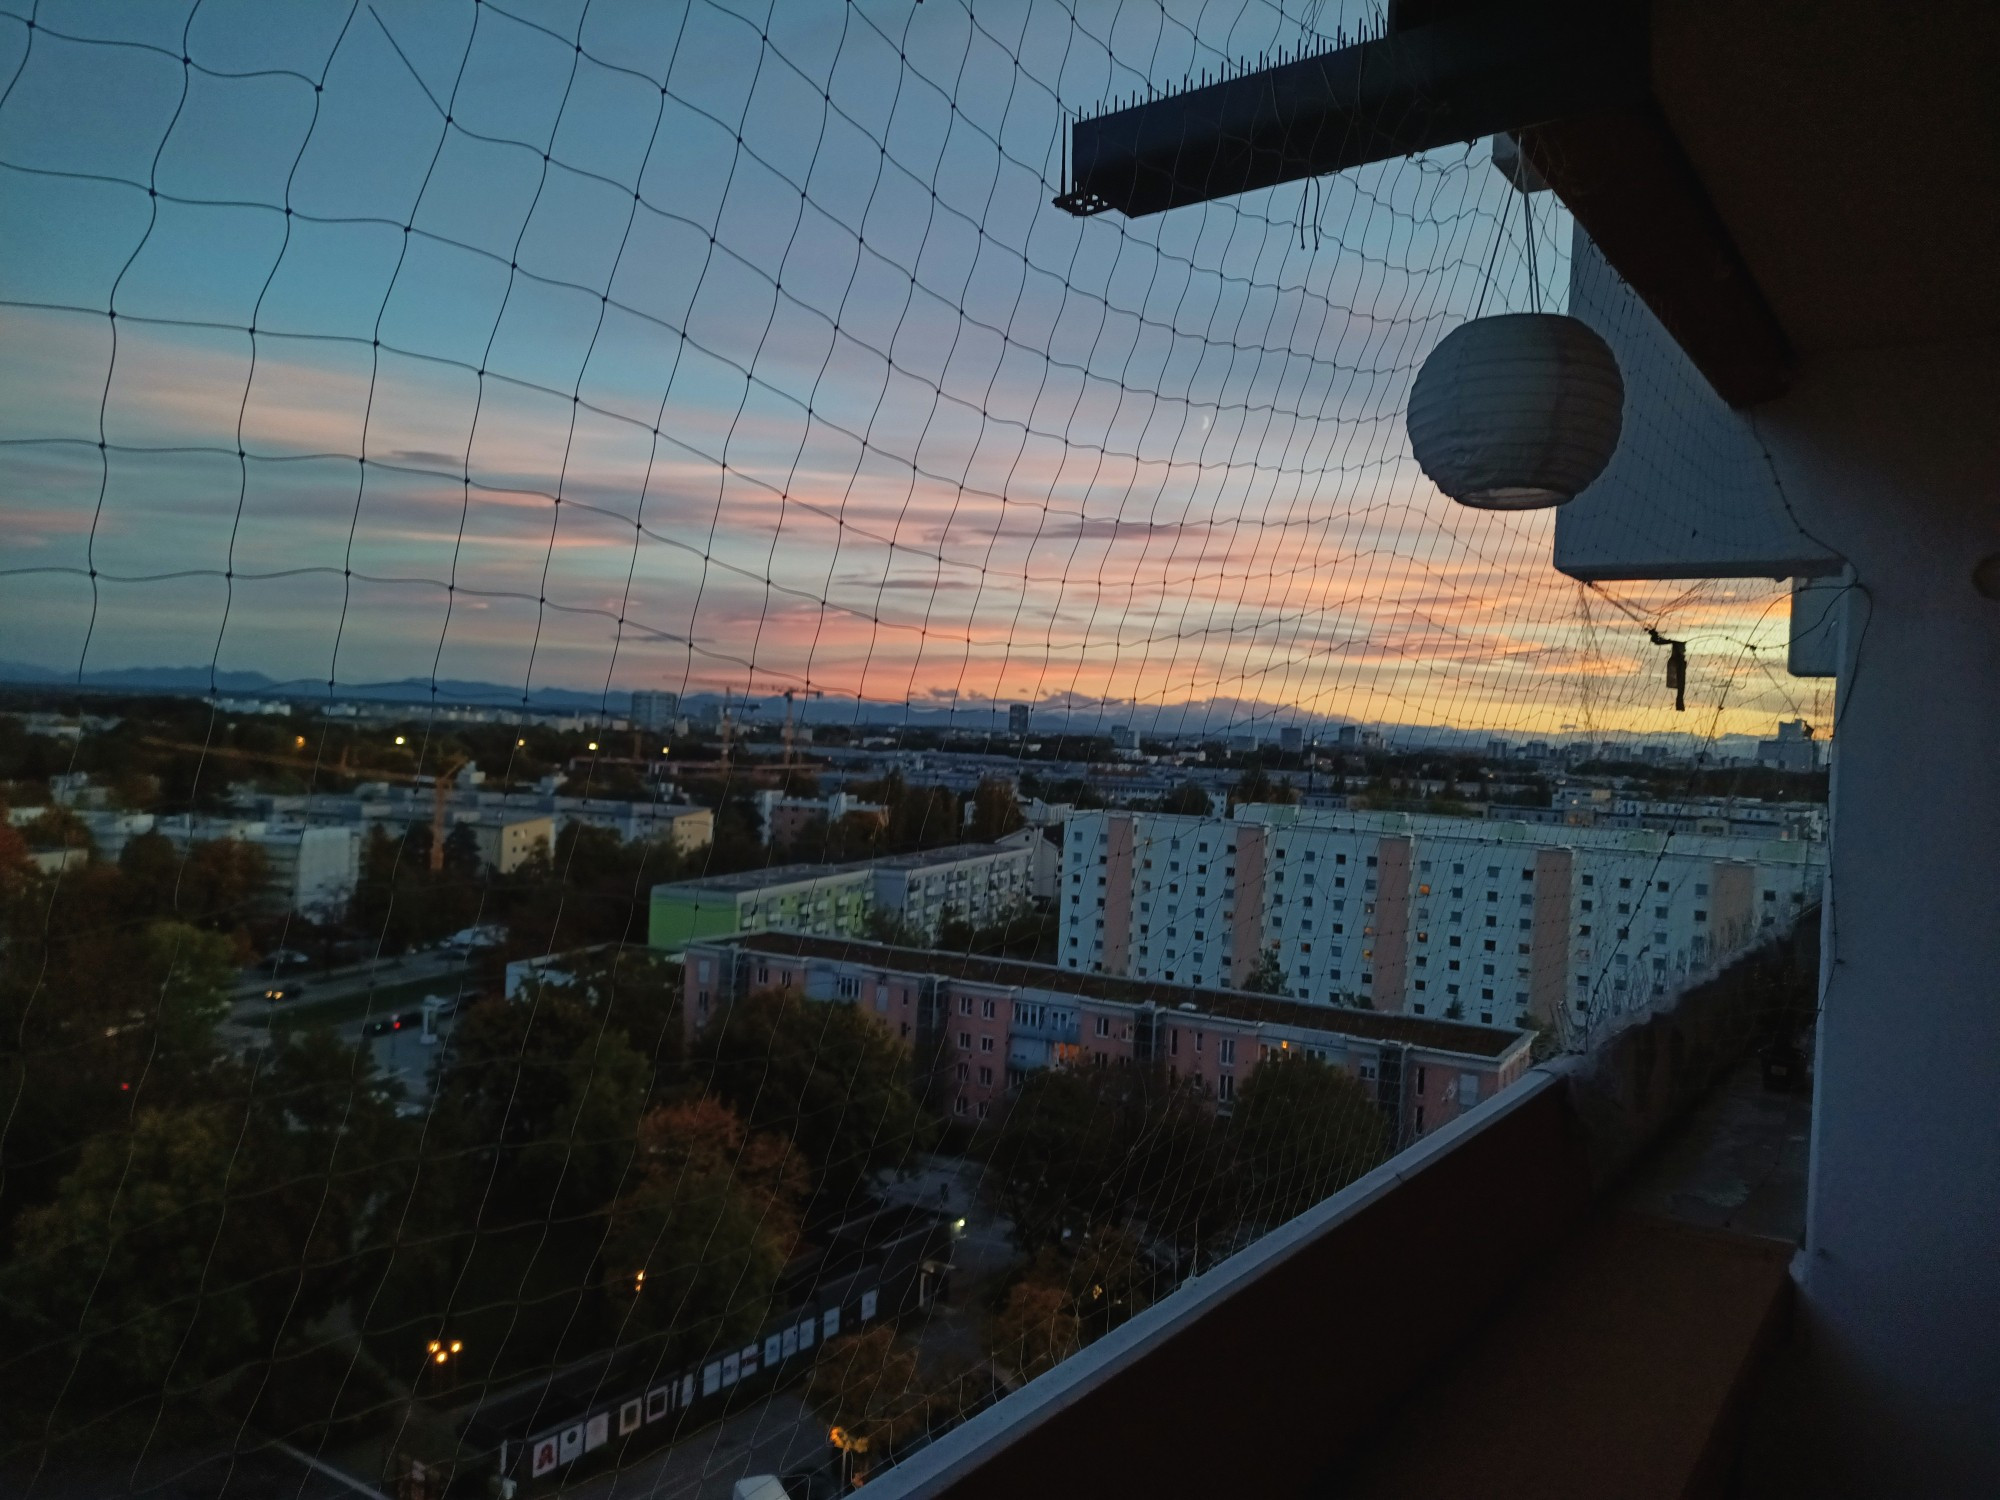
440 791
726 722
790 729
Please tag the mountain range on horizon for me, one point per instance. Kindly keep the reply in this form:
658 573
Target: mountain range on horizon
457 692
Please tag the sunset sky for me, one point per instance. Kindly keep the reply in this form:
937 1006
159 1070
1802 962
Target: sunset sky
725 346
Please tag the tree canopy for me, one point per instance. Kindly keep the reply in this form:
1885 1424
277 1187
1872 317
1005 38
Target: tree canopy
827 1076
695 1250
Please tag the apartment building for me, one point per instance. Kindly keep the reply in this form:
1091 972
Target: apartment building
309 870
830 899
682 824
509 841
978 883
990 1023
1492 922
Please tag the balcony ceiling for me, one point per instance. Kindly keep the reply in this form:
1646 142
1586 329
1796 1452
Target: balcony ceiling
1852 152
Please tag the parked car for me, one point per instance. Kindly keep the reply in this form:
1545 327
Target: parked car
284 991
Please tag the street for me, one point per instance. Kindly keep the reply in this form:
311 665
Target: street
781 1433
347 999
349 979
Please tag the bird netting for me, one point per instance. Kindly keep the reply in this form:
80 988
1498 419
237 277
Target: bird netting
393 391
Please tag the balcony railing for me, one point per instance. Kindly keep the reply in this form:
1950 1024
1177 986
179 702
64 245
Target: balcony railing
1285 1368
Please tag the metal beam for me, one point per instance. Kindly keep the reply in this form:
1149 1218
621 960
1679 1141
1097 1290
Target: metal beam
1470 73
1569 79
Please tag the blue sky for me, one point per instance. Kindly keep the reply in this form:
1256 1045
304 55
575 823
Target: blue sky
711 345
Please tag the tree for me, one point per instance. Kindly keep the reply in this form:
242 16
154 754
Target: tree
1103 1274
638 992
1023 931
996 811
1267 975
208 1235
1036 1331
1301 1130
115 1268
890 928
866 1385
828 1076
1188 799
696 1249
545 1100
217 883
1088 1146
1255 786
101 1011
461 852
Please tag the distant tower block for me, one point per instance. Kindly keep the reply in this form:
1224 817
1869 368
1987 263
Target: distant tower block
655 710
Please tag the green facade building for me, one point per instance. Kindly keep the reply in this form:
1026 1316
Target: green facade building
827 901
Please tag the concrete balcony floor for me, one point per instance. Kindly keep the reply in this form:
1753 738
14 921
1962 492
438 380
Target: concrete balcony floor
1638 1361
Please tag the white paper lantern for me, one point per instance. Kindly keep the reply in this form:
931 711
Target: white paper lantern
1516 412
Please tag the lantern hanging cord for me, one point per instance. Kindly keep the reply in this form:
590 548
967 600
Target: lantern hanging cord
1492 259
1528 229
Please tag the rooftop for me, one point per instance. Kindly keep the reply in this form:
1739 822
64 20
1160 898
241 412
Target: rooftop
951 854
1501 830
796 874
761 879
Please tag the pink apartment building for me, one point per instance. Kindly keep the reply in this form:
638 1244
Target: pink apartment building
988 1023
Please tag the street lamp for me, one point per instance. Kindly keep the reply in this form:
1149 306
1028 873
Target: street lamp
443 1353
399 739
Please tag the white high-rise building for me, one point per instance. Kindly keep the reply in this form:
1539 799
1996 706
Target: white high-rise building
1488 921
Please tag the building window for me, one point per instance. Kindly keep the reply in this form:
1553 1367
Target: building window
965 1041
1104 1026
986 1044
1225 1049
986 1009
964 1072
986 1076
